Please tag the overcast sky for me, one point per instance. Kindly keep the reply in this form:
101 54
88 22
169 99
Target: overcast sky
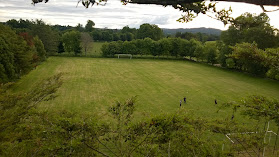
116 15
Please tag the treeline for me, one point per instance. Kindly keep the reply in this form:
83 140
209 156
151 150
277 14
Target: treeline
19 53
145 31
249 45
175 47
49 36
198 36
128 34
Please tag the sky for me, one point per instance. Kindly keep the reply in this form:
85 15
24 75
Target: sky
115 15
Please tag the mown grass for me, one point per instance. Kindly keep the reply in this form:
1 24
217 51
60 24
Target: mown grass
94 50
92 84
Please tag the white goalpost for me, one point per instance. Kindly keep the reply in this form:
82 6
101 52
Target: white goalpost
265 136
129 55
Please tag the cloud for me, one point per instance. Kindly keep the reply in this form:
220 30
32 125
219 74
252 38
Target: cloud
114 14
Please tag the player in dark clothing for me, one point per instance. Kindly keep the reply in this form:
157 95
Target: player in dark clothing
215 102
184 99
180 103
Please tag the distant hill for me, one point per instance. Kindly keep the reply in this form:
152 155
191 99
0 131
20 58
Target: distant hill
192 30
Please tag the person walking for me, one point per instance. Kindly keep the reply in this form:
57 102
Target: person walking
180 102
184 99
215 102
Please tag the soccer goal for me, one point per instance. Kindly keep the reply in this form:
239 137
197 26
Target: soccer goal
244 143
129 55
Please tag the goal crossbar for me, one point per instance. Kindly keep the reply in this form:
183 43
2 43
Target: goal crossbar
130 55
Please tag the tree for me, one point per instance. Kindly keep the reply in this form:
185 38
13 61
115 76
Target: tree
249 58
166 46
61 47
16 55
272 61
107 35
147 46
199 51
251 28
40 49
49 37
116 37
224 51
192 47
112 48
7 67
71 42
86 42
130 36
80 27
210 50
96 35
176 46
185 48
149 31
89 26
128 47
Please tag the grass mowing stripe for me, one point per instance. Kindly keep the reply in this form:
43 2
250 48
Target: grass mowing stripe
92 84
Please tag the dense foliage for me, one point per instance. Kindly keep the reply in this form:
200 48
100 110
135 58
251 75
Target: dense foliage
71 41
19 53
198 36
49 36
253 29
249 58
165 46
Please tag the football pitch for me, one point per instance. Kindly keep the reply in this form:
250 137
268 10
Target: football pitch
91 85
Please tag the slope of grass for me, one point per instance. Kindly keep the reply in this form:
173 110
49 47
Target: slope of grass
92 84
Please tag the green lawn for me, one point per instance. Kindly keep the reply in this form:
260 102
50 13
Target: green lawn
95 49
92 84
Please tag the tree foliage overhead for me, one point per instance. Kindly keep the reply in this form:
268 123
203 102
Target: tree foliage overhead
251 28
191 8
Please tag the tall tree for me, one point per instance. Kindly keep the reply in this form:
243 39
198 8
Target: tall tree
86 42
49 37
71 42
149 31
166 46
211 51
15 56
251 28
249 58
40 49
79 27
89 26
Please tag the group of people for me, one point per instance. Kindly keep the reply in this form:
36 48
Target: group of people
185 101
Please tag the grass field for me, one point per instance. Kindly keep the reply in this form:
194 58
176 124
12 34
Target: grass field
95 50
92 84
